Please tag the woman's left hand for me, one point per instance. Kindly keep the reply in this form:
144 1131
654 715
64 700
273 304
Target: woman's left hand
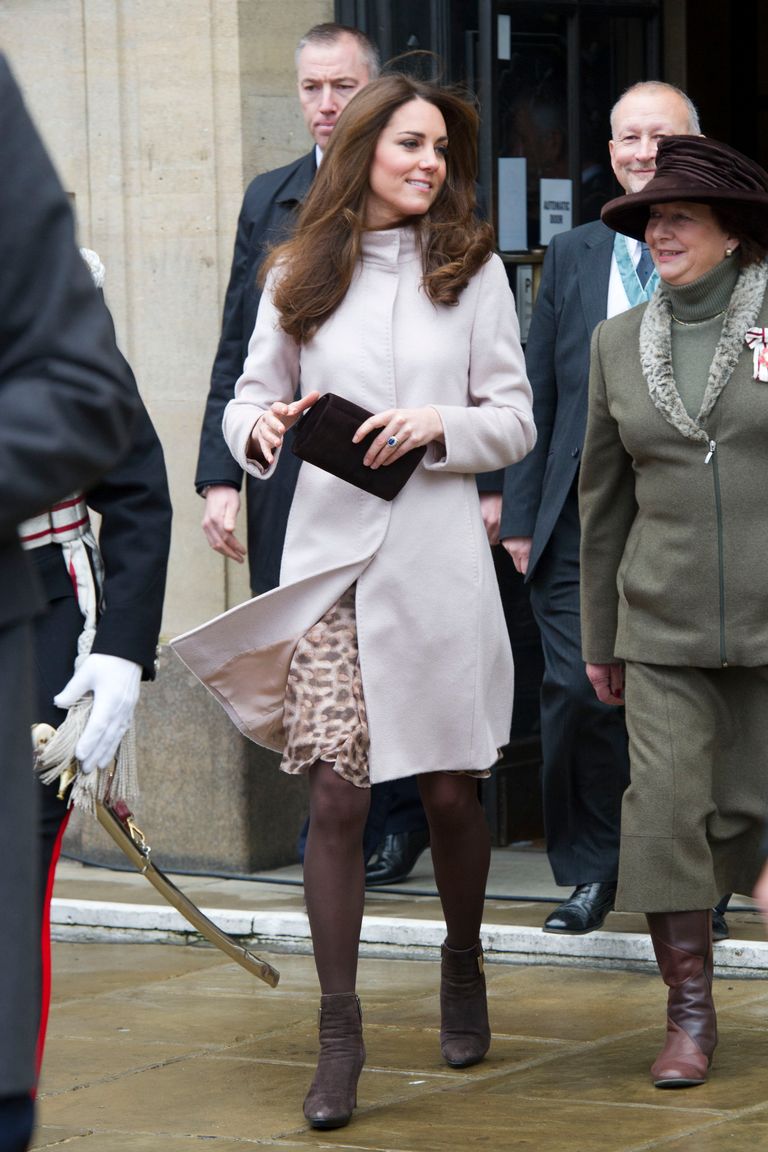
607 681
401 430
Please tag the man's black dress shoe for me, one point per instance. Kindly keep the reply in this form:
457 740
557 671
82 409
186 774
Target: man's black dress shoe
720 930
584 910
395 857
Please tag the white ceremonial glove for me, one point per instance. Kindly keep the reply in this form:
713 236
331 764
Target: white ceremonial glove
115 685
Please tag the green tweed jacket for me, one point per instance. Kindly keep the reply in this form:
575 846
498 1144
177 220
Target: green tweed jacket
674 552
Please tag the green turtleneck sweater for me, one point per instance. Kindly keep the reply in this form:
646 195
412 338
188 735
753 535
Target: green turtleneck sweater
698 313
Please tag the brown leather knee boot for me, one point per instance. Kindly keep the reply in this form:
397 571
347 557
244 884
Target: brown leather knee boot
465 1034
682 942
333 1093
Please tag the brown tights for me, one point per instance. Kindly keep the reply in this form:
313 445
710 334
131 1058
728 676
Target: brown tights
334 875
334 866
461 852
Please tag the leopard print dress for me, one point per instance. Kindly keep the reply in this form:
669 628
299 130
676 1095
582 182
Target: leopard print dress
324 708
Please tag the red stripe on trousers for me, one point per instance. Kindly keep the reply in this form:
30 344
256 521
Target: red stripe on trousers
45 945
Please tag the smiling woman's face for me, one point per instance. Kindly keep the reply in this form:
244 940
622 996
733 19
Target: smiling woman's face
409 165
685 240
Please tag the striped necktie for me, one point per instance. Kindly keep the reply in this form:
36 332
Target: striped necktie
644 266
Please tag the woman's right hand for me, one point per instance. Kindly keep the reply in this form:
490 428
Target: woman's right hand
607 681
270 428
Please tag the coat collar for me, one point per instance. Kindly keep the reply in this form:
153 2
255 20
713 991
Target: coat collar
391 247
298 183
656 351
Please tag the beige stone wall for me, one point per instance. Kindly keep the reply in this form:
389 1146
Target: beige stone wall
157 113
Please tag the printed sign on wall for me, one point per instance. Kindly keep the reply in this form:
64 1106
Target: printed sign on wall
556 208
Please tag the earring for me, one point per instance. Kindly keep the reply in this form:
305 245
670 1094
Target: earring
729 251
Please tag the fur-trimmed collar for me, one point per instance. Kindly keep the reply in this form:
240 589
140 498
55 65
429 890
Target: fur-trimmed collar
656 350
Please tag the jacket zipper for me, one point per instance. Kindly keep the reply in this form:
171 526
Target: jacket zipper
711 457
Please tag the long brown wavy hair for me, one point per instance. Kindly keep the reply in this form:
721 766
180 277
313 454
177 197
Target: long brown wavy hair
317 263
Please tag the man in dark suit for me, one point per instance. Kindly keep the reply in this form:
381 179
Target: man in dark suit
332 64
589 273
66 409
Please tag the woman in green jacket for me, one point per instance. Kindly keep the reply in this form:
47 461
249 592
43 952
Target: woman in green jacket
674 562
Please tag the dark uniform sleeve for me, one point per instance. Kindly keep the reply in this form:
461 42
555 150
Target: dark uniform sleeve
134 538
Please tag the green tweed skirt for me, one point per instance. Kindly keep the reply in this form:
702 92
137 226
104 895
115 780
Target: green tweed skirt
693 816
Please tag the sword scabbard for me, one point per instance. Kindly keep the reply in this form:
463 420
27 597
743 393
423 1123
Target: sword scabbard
118 822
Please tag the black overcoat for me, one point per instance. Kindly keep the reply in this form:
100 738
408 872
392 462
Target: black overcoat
266 217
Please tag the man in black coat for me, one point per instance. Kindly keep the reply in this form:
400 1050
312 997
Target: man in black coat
66 410
332 64
589 273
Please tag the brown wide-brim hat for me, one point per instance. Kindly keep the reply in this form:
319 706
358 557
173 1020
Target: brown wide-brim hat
699 169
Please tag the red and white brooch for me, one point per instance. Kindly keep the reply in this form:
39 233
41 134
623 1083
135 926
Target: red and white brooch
757 340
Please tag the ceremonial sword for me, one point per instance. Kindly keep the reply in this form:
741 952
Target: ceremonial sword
117 819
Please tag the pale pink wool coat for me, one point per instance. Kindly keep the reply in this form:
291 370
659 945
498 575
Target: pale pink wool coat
434 651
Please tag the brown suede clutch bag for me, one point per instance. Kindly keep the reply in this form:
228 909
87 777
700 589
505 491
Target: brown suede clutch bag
323 437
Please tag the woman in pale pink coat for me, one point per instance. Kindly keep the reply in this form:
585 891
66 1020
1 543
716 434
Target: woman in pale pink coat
384 651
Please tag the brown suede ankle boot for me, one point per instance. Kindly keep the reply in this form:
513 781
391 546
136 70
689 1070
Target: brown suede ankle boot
465 1034
682 942
333 1093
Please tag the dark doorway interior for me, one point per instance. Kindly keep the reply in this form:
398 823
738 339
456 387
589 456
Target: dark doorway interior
727 78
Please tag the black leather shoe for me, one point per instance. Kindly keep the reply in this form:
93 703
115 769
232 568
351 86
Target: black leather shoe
584 910
720 930
396 857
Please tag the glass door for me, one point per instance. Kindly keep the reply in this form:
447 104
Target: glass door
549 75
